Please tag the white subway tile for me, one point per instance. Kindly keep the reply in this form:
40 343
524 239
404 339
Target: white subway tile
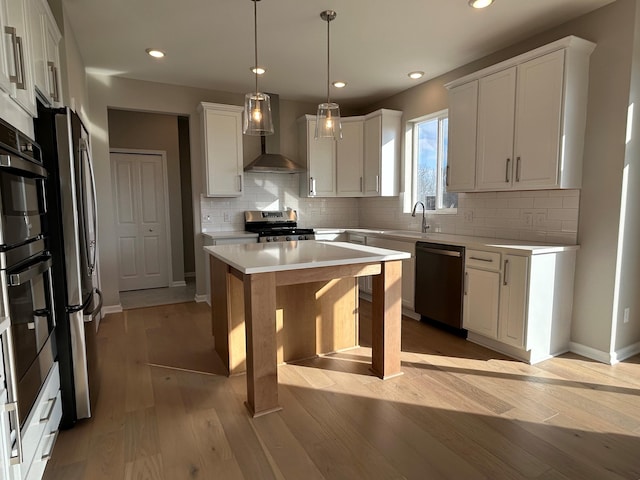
563 214
548 202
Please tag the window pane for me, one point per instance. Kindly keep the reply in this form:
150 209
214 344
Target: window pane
449 200
427 162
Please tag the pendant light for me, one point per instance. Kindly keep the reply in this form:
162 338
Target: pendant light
257 105
328 118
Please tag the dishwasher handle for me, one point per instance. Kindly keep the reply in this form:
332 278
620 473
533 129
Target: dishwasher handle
437 251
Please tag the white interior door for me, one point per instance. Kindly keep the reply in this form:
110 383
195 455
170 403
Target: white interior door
138 182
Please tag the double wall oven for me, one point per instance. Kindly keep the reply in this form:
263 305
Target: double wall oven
25 273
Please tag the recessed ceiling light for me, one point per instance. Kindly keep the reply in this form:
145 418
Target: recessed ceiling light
155 53
258 70
415 75
480 3
339 84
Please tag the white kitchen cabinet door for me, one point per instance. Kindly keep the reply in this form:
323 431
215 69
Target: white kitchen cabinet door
538 121
382 140
222 144
18 55
349 159
481 295
496 113
463 121
5 45
319 157
513 300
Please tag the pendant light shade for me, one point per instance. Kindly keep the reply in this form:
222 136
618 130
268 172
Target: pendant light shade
328 123
257 105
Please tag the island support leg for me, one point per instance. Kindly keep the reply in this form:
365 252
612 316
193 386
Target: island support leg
260 320
386 320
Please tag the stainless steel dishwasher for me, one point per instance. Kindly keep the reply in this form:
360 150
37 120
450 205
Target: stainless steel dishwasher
440 283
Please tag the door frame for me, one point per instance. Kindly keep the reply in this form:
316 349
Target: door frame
165 192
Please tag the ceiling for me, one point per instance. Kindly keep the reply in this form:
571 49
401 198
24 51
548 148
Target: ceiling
374 43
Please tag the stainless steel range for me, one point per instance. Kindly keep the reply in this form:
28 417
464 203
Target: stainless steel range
276 226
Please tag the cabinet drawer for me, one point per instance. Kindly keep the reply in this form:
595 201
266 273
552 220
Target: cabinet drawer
47 442
482 259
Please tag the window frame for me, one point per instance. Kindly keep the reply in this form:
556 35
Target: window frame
440 168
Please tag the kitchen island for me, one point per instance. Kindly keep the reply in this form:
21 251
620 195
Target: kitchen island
250 280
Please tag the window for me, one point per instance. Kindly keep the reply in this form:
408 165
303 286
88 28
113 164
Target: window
429 159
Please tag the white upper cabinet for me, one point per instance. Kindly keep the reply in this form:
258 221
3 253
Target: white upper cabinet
463 121
45 38
17 64
222 140
349 158
319 158
382 140
531 117
496 107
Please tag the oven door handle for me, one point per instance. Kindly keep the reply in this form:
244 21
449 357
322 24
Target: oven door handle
17 279
23 166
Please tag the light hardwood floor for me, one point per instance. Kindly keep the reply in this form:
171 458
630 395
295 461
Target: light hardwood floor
459 412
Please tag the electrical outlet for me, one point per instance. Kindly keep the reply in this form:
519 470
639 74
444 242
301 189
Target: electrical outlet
226 216
539 218
625 317
468 216
528 218
206 218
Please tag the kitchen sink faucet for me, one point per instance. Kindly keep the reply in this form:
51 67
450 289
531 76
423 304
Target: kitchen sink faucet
425 227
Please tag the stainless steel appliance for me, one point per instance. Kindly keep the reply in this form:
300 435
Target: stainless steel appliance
439 283
25 269
72 232
276 226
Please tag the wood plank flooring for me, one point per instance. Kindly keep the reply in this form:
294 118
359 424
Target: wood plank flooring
460 411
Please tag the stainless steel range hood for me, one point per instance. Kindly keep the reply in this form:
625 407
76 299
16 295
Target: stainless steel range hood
270 160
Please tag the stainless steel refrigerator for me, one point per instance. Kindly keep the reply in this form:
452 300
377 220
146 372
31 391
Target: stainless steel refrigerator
72 226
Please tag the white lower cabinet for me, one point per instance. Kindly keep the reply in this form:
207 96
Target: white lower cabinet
41 427
519 305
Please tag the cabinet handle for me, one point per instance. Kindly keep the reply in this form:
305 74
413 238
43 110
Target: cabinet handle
312 186
19 457
377 183
18 58
52 403
518 169
466 281
506 271
240 182
54 81
506 172
446 176
361 188
46 456
488 260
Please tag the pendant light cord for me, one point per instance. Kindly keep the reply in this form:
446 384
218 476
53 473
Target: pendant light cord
328 62
255 38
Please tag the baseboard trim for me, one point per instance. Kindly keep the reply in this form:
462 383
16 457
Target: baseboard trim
200 298
592 353
626 352
180 283
107 309
189 274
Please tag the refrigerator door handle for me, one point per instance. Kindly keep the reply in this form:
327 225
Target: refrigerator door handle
79 308
96 311
91 256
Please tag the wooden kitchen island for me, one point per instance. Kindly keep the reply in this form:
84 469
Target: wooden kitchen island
274 302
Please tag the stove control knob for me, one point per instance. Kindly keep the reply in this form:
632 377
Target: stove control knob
303 237
268 239
288 239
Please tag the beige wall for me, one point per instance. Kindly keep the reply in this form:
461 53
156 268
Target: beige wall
612 28
627 335
153 131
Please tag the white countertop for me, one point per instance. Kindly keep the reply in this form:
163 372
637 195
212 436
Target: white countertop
234 234
251 258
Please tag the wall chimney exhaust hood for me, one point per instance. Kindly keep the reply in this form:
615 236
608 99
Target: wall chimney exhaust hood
270 160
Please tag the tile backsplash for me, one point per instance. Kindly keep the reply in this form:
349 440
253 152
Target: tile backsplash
544 215
274 191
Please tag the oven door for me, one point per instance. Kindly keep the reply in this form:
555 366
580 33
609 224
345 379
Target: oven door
30 303
22 200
